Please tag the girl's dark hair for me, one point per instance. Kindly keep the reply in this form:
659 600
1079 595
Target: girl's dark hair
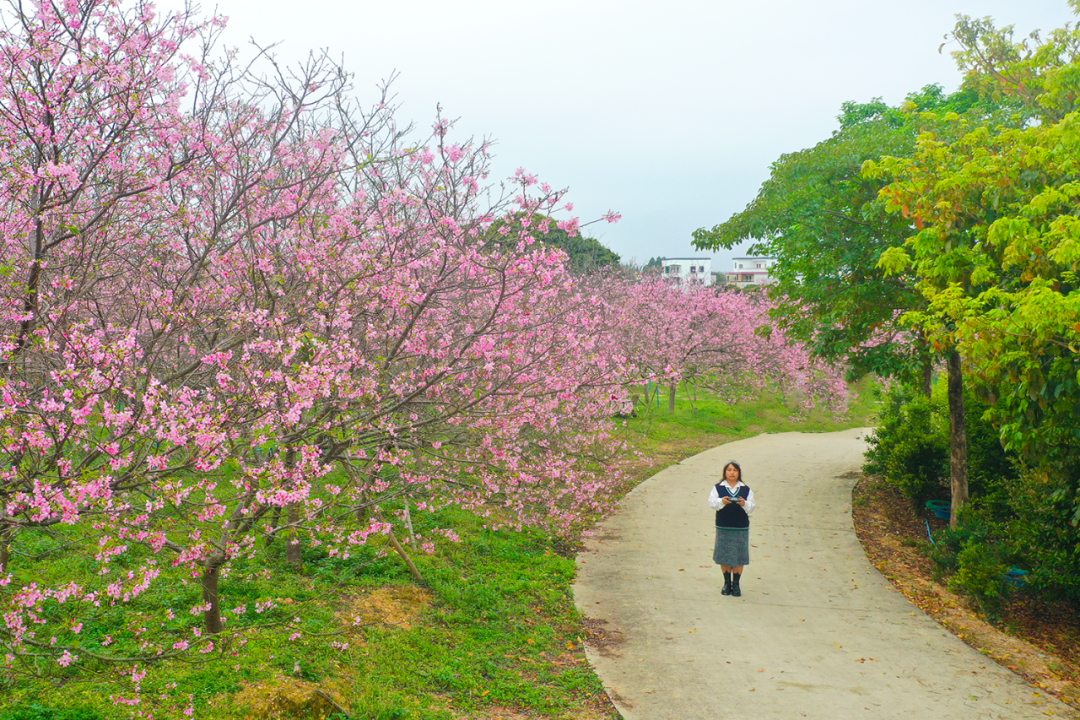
730 463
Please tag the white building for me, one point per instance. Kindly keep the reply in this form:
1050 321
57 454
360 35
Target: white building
750 271
687 271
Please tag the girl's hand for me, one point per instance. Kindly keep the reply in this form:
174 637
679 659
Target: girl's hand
727 501
741 502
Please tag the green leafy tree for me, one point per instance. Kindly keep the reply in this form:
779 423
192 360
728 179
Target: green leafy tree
997 248
1039 74
824 222
584 254
828 225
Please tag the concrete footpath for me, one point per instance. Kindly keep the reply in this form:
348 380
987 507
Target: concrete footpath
818 632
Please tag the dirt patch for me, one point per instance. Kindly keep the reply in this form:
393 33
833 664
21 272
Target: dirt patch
392 606
1038 641
288 698
495 714
602 638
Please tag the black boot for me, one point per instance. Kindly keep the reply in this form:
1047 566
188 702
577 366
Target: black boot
727 584
735 591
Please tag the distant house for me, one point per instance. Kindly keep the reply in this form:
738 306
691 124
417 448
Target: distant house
687 271
750 271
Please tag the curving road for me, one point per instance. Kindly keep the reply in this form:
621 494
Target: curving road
818 632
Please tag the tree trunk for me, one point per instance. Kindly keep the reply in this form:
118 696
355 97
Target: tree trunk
275 518
405 556
671 398
926 362
30 302
958 449
6 536
689 395
363 508
292 550
408 525
212 614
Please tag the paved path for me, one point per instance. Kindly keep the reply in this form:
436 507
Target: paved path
818 632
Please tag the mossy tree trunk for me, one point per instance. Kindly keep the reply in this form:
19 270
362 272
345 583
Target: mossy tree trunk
7 536
292 550
211 599
958 447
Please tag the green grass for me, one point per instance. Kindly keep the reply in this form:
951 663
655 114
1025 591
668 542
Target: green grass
666 437
500 631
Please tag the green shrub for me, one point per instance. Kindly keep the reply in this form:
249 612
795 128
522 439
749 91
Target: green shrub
948 542
1041 534
975 558
910 447
981 575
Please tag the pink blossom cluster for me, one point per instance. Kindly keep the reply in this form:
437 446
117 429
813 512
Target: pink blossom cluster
719 340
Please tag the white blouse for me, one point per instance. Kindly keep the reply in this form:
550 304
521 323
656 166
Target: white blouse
716 502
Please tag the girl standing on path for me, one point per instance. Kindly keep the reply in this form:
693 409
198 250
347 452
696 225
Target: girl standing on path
733 502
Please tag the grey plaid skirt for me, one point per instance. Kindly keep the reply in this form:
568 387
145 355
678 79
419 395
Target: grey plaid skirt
732 546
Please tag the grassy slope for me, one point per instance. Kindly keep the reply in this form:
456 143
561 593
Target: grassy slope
496 636
667 438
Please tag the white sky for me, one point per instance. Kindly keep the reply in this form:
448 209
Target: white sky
668 112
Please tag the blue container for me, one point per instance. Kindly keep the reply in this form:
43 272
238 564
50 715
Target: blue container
1016 576
941 508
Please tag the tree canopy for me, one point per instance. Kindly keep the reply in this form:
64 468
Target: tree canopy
997 241
823 220
584 254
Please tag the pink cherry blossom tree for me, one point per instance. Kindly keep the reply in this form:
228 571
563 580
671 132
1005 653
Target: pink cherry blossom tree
238 306
453 370
717 339
238 309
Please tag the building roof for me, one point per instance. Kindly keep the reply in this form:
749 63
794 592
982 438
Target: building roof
754 257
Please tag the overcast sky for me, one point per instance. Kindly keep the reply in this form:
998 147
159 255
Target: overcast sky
668 112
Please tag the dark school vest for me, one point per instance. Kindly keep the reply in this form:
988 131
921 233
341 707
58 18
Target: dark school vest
732 515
